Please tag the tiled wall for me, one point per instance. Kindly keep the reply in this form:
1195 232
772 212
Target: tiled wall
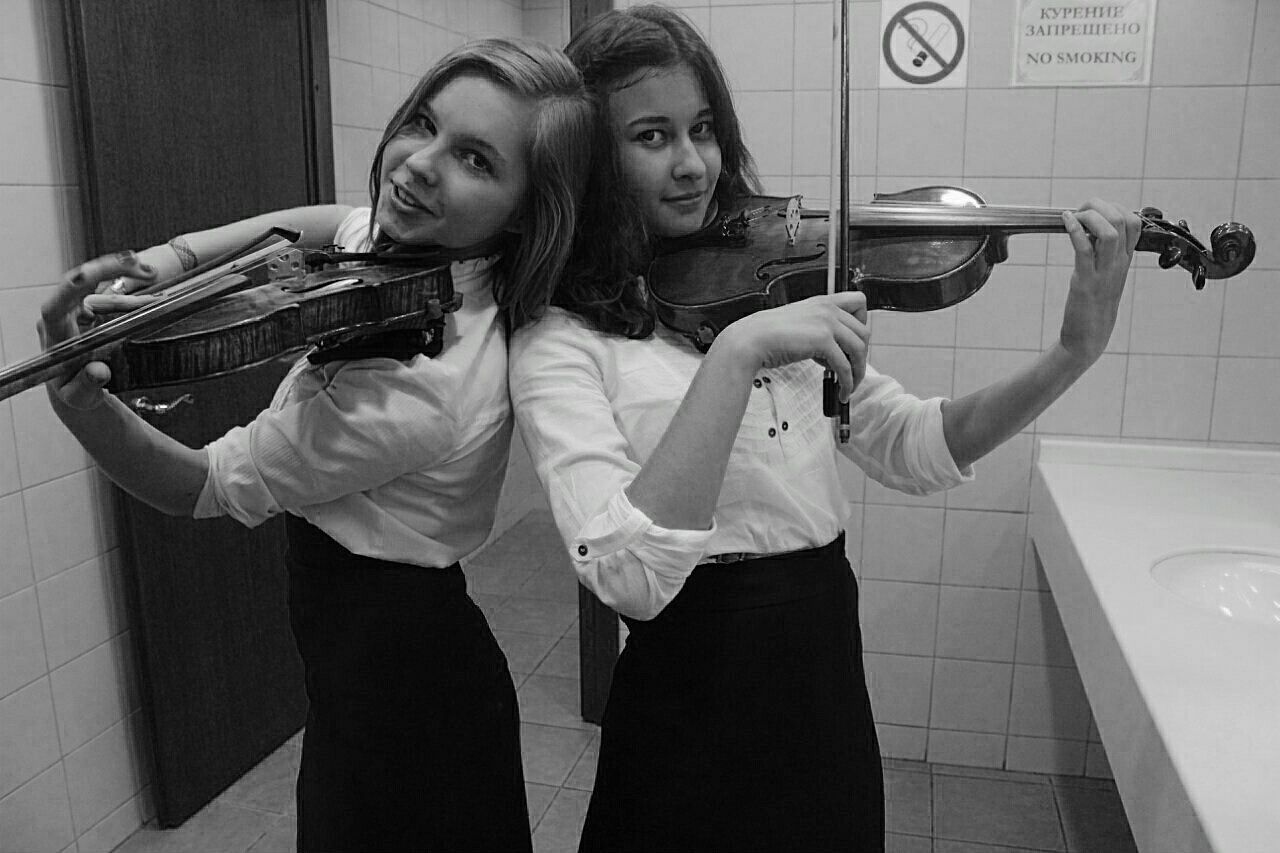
968 662
73 772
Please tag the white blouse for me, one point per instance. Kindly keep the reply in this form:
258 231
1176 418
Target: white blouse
592 408
399 460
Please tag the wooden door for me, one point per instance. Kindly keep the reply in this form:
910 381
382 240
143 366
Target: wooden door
190 115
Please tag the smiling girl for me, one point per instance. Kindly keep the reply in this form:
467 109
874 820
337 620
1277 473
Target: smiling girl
389 468
698 494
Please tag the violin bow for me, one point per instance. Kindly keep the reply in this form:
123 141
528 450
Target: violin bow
225 274
838 231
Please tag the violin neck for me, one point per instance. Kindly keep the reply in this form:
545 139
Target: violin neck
949 219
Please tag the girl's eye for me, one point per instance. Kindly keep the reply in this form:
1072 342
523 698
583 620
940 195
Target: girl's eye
477 161
703 130
652 136
422 123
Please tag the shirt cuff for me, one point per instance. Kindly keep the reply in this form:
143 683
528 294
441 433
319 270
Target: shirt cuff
672 553
936 459
207 502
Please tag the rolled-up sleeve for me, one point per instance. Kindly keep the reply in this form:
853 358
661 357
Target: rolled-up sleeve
559 392
898 439
375 420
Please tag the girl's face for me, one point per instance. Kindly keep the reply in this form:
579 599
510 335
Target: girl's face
457 172
666 137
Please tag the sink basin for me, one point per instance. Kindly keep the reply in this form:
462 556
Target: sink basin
1239 583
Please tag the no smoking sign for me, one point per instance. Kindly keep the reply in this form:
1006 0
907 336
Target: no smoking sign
924 43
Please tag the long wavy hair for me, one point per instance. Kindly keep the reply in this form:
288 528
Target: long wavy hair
559 161
613 245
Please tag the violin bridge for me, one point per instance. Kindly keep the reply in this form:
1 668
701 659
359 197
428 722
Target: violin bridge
793 218
286 265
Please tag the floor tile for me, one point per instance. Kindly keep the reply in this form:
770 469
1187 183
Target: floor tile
967 808
561 826
217 828
534 616
281 838
550 752
895 843
942 845
488 579
562 661
583 776
270 786
552 702
1093 819
908 802
555 581
524 651
538 797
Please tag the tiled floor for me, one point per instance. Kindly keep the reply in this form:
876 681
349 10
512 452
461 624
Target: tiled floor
525 586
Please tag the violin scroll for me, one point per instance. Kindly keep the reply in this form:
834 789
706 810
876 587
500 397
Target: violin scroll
1231 247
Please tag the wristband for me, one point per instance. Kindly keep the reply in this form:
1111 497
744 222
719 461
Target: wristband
186 256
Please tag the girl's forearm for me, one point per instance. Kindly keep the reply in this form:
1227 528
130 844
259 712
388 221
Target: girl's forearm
142 460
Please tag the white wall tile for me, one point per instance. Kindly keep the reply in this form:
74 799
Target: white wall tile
355 35
921 132
1257 206
28 738
1259 157
1099 133
1048 701
81 608
766 127
990 48
94 691
1002 479
1009 132
22 41
10 480
385 26
31 216
36 818
28 150
929 328
898 618
64 523
1246 400
1264 67
813 51
1212 150
1045 755
1251 304
105 835
1041 638
1094 405
15 558
1192 50
905 742
978 624
902 543
922 371
1171 319
1007 313
971 696
747 44
983 548
899 688
23 659
1168 396
105 772
971 749
46 449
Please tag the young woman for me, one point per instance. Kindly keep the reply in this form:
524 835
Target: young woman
389 469
698 494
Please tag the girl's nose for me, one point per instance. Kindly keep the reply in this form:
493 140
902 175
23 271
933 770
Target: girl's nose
423 163
688 164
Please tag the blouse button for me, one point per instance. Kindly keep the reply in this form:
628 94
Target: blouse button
772 432
582 550
784 426
756 383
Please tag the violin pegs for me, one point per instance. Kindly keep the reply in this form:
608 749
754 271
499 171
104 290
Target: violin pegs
1152 213
1198 276
1170 257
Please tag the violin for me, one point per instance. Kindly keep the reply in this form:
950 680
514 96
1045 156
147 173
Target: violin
918 250
259 302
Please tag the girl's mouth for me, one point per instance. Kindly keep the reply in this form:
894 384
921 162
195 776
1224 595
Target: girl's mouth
407 200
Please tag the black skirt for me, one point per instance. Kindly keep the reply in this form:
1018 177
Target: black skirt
738 718
413 731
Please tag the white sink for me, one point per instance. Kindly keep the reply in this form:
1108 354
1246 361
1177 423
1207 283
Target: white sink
1239 583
